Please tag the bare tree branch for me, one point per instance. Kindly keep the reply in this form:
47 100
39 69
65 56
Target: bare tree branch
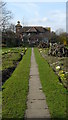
2 4
6 16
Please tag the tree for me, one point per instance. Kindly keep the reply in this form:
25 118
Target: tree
11 27
9 38
62 38
54 37
59 31
5 14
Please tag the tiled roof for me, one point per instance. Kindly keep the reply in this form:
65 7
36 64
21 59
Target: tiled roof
40 29
24 29
34 29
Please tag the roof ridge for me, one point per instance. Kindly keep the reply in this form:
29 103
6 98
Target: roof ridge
34 29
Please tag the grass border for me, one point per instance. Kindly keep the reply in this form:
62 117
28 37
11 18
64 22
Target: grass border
55 92
15 89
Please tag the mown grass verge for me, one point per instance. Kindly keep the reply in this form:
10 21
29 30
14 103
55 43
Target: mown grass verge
54 91
15 90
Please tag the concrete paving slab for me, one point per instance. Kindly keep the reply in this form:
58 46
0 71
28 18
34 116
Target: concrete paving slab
40 103
36 100
36 113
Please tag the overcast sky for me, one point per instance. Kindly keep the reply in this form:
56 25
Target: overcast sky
47 14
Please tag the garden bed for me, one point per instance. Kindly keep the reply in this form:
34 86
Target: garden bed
10 59
58 64
6 73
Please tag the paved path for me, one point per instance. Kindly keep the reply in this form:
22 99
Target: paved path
36 101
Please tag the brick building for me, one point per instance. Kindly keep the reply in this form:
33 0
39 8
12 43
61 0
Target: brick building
33 34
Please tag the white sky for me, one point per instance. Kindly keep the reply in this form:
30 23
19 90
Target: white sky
47 13
35 0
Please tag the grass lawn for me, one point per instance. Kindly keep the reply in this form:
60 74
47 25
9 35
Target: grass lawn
15 89
52 88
